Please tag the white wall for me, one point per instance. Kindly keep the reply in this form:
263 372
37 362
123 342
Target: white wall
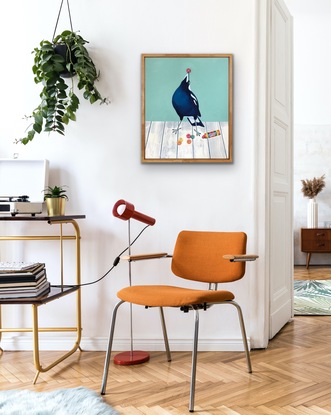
99 158
312 116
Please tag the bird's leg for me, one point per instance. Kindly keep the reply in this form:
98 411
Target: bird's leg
196 129
175 130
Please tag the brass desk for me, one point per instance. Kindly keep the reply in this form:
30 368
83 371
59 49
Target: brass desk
56 292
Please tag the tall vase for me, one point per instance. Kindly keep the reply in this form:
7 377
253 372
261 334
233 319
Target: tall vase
312 214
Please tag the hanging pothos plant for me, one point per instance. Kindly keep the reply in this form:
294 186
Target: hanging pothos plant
53 61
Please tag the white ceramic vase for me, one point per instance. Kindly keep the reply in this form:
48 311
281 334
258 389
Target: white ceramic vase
312 214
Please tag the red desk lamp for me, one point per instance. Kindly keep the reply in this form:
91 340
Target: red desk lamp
125 211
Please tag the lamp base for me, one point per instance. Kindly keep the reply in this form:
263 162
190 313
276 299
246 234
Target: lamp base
134 357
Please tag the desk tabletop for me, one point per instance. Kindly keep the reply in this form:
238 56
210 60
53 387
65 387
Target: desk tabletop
37 218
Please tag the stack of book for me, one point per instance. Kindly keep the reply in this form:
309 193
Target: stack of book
21 279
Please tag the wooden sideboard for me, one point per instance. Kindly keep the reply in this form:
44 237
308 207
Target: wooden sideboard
315 241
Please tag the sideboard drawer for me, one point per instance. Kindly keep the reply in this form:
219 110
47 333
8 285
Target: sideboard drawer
316 240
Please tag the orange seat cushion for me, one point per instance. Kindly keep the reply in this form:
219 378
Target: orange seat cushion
170 296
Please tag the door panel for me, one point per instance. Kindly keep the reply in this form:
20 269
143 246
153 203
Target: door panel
280 185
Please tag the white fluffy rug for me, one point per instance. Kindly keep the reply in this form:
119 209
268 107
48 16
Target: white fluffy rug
75 401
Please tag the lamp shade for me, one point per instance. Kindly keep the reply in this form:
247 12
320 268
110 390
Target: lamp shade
125 210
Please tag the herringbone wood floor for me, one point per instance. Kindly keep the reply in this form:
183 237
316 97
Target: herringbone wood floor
314 272
292 376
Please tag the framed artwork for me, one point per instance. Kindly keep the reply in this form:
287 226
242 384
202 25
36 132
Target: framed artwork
186 108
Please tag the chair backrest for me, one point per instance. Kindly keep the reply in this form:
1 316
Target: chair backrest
198 256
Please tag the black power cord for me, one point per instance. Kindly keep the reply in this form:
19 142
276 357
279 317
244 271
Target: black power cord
115 263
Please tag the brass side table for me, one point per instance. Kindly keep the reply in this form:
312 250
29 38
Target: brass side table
55 293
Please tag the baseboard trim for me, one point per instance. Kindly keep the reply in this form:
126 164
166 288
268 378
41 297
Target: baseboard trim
20 343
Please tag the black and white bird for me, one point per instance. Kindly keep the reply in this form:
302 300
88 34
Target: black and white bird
186 104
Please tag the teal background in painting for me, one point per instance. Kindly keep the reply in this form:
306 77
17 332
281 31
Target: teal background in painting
209 81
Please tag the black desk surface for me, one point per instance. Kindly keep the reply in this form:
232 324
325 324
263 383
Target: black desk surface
37 218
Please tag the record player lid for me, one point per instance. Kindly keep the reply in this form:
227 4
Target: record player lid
24 177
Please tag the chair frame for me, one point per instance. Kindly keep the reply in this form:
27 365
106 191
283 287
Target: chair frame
195 308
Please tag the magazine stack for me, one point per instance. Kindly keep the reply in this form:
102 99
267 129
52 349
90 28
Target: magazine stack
22 280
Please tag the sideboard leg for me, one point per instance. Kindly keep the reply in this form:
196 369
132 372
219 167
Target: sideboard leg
308 259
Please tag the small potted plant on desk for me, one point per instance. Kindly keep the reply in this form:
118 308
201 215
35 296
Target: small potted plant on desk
55 198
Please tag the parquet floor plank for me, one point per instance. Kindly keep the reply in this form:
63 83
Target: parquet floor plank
314 272
291 377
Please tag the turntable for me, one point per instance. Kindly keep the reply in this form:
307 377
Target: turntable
19 204
21 186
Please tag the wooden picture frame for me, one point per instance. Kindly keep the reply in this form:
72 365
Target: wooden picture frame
186 103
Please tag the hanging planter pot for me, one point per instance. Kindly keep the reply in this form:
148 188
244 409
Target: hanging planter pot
65 56
64 49
69 60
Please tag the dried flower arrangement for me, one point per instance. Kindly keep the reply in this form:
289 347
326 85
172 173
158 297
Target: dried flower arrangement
311 188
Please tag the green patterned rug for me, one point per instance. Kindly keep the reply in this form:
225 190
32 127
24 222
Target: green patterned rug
312 297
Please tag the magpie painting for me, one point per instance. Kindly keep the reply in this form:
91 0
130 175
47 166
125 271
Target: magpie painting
186 104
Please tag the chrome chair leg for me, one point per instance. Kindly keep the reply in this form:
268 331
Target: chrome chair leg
165 335
110 344
194 360
243 334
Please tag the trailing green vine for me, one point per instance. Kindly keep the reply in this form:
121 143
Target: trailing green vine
59 103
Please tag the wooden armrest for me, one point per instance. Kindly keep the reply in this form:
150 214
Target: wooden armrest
145 256
240 258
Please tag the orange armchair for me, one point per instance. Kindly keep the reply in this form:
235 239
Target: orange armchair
210 257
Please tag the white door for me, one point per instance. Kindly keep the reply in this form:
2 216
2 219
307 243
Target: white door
281 168
274 166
